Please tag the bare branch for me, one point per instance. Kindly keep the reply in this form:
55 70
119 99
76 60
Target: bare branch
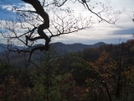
34 25
59 5
98 14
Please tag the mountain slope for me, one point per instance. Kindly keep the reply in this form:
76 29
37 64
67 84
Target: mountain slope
66 48
60 48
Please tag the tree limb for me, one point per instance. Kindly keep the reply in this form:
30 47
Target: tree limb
39 10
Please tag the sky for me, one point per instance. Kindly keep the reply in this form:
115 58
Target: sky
100 32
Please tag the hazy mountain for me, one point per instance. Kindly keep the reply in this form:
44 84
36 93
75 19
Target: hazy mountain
59 47
4 47
66 48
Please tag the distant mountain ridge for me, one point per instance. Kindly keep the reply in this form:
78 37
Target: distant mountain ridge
60 48
4 47
66 48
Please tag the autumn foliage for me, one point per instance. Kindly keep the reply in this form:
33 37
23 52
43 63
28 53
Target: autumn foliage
98 74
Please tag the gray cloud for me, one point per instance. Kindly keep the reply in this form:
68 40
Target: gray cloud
125 31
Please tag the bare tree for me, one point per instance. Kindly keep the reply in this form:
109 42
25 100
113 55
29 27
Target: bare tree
32 25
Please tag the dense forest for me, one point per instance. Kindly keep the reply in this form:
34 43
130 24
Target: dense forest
105 73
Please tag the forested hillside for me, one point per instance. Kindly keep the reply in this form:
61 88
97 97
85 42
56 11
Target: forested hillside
7 53
105 73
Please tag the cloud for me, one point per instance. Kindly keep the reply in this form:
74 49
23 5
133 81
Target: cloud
124 31
71 38
100 32
12 7
7 7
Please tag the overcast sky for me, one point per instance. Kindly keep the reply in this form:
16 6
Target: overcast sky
102 32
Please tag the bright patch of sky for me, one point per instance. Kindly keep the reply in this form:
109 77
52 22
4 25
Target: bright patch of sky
104 32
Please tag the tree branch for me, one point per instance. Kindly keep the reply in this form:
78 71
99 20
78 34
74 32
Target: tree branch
39 9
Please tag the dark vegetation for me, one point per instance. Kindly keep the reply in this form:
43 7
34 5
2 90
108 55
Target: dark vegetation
105 73
97 74
8 56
